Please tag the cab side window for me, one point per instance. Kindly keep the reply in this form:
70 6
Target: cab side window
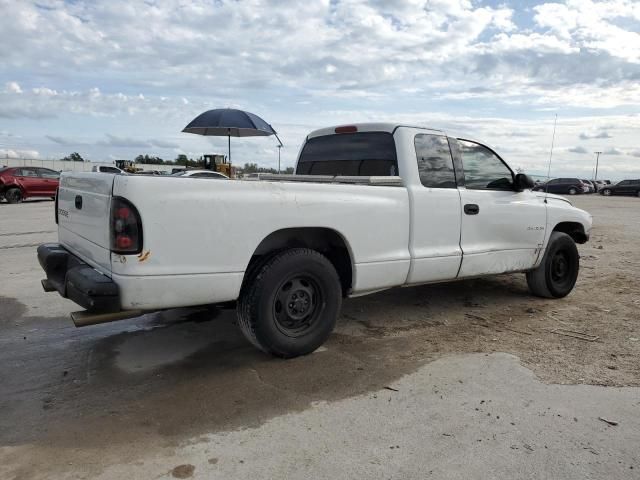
435 164
26 172
483 169
46 173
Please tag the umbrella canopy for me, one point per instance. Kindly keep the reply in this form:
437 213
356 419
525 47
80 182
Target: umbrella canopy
228 122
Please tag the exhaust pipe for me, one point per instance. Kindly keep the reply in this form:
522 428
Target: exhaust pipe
85 318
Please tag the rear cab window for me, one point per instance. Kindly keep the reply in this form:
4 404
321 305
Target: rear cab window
352 154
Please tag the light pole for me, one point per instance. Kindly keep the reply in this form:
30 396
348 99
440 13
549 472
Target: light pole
597 159
279 147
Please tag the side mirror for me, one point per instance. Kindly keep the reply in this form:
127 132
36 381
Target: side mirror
523 182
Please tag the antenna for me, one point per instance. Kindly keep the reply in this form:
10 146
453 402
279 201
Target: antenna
553 139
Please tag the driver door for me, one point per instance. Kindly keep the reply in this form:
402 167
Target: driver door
502 229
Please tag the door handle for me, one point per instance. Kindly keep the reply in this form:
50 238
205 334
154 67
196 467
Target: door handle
471 209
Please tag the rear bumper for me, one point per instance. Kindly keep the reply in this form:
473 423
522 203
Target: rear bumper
74 279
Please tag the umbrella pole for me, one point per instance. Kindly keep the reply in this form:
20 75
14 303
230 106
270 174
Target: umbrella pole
229 146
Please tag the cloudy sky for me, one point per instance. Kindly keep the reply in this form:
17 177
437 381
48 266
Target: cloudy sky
117 78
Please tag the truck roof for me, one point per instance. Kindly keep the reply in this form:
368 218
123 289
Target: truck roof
368 127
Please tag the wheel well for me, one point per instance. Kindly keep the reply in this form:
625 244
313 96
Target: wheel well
324 240
574 229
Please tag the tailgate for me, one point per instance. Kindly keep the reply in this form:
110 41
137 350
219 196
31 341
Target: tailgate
84 201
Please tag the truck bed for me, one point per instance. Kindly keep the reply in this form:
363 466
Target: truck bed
202 234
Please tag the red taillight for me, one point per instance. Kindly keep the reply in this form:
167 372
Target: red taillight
126 227
123 242
347 129
123 212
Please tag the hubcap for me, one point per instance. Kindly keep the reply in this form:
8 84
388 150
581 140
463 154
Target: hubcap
560 267
297 305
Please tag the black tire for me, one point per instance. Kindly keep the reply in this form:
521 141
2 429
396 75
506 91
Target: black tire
638 193
573 191
606 192
13 195
290 302
557 274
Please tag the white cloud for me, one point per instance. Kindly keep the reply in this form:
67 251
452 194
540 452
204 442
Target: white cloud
11 153
594 134
64 140
163 143
13 87
591 25
123 142
613 151
581 150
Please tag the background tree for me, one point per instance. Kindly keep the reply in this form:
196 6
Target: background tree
254 168
149 160
250 168
74 157
182 159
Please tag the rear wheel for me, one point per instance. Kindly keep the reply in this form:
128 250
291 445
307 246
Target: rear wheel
557 274
638 193
289 305
13 195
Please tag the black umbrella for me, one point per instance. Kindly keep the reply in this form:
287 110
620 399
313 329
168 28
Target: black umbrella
230 123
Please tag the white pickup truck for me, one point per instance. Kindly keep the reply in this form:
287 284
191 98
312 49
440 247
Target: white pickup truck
370 207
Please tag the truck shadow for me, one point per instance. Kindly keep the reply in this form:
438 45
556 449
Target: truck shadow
183 373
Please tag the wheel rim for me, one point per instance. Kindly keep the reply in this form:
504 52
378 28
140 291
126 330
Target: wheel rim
297 304
607 192
572 191
561 268
14 196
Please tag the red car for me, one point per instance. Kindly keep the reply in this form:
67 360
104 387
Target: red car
18 183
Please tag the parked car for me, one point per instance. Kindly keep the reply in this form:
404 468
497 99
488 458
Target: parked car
591 185
625 187
20 183
370 207
152 172
600 184
200 174
106 169
571 186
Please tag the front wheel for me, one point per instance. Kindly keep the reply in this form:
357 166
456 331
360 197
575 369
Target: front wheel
606 192
572 191
290 304
557 274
